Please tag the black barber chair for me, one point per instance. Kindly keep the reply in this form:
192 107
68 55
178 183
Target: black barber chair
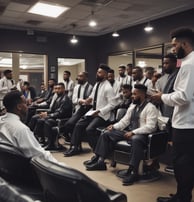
17 170
62 184
157 143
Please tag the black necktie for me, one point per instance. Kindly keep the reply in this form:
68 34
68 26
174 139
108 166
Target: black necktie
79 91
95 96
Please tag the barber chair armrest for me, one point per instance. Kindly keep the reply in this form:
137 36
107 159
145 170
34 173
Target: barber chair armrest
42 110
157 143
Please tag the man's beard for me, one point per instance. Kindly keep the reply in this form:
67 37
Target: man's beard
122 74
181 53
99 79
80 82
137 101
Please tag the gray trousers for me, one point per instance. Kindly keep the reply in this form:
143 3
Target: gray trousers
108 139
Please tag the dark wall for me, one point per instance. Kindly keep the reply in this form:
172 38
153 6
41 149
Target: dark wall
136 38
52 44
94 50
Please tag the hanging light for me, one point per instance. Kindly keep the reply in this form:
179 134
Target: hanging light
115 34
148 28
92 22
74 40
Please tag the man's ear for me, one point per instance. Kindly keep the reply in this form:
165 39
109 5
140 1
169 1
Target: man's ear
19 107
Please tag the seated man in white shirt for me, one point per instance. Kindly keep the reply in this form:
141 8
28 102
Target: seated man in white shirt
139 121
15 132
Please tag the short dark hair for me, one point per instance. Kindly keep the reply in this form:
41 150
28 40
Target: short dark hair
122 67
183 33
104 67
26 83
172 57
7 71
11 100
127 86
138 68
111 71
129 65
67 72
141 87
61 84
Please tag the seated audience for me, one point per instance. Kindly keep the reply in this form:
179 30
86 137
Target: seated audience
139 121
44 121
125 101
28 92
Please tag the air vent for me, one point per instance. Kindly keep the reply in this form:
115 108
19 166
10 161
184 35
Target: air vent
33 22
95 2
26 2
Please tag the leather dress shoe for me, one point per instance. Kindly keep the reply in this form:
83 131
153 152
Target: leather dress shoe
96 166
130 179
54 148
172 198
72 152
93 160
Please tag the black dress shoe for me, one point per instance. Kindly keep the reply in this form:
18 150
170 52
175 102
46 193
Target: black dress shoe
173 198
93 160
97 166
123 173
71 152
129 180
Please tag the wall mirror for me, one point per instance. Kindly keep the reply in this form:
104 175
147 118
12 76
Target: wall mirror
114 61
150 57
27 67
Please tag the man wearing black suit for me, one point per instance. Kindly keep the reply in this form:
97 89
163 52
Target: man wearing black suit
62 108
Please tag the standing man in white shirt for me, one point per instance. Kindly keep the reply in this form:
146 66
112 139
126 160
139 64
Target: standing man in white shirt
182 99
6 85
69 83
102 100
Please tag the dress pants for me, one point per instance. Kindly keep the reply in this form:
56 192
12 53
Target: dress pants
70 124
108 139
48 132
183 159
88 125
33 122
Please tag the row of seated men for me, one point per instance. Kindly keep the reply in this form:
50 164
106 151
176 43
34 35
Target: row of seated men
95 111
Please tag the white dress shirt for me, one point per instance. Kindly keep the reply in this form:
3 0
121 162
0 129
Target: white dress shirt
147 120
69 86
75 99
106 99
182 99
125 80
5 87
14 132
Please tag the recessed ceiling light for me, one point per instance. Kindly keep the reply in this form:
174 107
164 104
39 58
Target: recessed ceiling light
49 10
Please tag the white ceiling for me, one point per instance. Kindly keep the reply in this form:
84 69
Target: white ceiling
111 15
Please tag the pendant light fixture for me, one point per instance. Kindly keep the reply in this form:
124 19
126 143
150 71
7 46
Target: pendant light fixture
92 22
148 28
